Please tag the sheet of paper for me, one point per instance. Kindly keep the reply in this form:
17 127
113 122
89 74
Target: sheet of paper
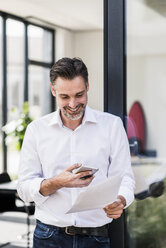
97 196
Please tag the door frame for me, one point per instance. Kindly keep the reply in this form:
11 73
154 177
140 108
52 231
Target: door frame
115 83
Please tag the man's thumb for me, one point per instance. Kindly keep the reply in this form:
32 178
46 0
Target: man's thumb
72 167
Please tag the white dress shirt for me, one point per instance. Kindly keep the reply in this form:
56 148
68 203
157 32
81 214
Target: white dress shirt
49 147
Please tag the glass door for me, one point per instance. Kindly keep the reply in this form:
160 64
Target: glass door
146 121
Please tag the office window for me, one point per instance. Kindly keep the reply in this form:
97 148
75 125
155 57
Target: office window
39 91
146 105
40 47
15 65
15 81
27 59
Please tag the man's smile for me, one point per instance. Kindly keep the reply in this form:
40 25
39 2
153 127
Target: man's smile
74 110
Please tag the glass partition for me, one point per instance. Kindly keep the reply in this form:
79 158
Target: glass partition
146 121
1 94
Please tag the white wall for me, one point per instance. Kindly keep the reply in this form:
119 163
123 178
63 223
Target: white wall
146 67
89 47
147 84
63 43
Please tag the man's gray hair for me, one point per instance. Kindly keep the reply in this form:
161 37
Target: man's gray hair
68 68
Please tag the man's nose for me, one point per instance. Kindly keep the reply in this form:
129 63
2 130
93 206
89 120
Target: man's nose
72 103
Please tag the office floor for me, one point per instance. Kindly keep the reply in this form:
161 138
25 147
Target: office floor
13 229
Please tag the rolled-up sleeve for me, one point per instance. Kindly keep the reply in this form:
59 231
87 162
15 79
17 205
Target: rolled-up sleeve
121 161
30 173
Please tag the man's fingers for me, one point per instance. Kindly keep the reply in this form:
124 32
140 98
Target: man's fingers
113 216
83 174
118 211
72 167
88 180
114 210
114 204
82 183
75 180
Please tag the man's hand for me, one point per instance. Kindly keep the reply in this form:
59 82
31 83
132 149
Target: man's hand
70 180
115 209
66 179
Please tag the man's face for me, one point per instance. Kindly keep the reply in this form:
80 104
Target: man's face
71 96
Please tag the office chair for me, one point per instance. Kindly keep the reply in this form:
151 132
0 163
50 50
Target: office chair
8 203
136 131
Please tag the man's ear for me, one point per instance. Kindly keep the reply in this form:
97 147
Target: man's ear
52 90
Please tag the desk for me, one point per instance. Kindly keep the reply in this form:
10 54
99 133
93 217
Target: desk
11 188
6 188
147 171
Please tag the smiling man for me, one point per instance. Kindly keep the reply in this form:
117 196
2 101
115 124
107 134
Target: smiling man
55 145
71 96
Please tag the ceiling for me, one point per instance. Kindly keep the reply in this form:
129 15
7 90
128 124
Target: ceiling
144 17
157 5
70 14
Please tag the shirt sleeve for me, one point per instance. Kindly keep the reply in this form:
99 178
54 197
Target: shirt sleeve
121 161
30 173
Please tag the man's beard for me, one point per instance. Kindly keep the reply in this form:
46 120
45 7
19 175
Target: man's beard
74 116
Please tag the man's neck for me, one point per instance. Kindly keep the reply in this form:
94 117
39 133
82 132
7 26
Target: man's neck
71 124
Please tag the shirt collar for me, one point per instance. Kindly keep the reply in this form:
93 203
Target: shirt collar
56 119
89 116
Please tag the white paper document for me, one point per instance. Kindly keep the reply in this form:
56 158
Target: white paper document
97 196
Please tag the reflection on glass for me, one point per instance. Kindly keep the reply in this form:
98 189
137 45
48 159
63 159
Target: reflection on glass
0 94
15 82
39 91
40 44
147 222
146 121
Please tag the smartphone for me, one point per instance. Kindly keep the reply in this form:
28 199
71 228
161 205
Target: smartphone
85 168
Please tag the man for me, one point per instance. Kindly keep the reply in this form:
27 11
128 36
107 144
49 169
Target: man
58 143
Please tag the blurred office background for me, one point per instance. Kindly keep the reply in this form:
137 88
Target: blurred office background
36 33
62 28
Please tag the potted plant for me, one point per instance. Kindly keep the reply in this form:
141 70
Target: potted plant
15 130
